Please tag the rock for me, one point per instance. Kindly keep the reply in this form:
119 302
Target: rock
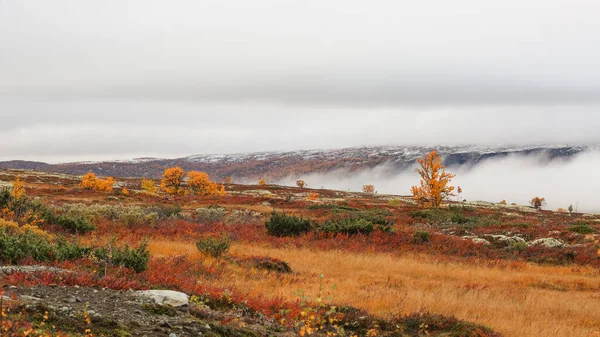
167 297
547 242
172 335
505 240
30 298
70 299
266 203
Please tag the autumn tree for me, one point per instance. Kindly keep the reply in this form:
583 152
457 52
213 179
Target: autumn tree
148 186
18 189
199 183
172 181
538 202
88 181
369 189
228 180
300 183
434 188
458 193
262 182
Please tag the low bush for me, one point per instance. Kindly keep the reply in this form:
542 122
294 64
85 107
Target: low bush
210 215
133 258
420 324
280 224
421 237
214 247
29 242
582 228
349 226
267 263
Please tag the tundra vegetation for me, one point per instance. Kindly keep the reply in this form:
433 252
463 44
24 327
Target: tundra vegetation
281 264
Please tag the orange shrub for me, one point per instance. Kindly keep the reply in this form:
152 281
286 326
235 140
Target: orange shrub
313 197
262 182
199 183
91 182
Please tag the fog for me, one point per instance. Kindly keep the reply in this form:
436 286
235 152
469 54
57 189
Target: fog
515 179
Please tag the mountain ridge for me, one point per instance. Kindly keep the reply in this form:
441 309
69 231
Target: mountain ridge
280 164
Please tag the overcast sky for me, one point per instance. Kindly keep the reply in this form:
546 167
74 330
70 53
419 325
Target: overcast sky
116 79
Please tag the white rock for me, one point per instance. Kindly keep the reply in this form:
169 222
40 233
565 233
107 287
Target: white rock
167 297
548 242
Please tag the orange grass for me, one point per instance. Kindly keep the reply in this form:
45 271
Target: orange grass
530 301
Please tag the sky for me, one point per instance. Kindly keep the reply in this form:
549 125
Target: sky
118 79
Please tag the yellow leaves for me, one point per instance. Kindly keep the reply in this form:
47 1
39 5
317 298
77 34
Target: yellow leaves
228 180
91 182
199 183
18 190
172 181
148 186
433 189
300 183
124 191
262 182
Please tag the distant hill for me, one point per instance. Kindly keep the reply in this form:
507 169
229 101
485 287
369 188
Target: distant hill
277 165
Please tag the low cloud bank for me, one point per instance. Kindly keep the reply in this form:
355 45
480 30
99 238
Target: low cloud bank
514 178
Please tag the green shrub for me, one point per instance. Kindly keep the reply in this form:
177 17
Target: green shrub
133 258
394 203
15 247
350 226
421 237
582 228
214 247
332 207
280 224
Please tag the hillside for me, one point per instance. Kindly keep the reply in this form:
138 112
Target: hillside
79 262
279 165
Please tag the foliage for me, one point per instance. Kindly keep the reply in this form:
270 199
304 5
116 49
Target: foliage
571 209
148 186
300 183
90 182
210 215
125 192
434 188
228 180
18 190
267 263
582 228
214 246
313 196
424 324
332 207
421 237
172 181
262 182
280 224
369 189
28 242
394 203
134 258
349 226
199 183
537 202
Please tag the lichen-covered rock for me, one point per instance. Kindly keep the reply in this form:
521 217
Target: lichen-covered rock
477 240
504 240
547 242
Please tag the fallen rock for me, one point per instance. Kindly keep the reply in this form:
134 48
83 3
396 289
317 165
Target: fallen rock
167 297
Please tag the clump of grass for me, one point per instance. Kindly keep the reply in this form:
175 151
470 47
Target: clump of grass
421 237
